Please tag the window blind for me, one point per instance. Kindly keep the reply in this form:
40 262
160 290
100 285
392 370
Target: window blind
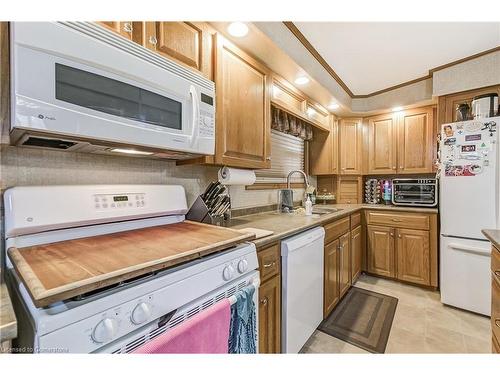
287 154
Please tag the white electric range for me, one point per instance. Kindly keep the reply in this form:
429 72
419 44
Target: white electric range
121 317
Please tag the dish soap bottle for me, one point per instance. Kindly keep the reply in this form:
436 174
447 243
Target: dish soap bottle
309 206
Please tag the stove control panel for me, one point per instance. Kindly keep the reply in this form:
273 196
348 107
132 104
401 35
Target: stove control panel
119 201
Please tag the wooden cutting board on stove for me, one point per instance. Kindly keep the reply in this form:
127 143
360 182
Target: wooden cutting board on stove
62 270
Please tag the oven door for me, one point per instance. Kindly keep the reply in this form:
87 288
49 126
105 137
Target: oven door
414 194
141 105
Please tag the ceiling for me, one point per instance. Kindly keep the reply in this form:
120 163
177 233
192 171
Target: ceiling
369 56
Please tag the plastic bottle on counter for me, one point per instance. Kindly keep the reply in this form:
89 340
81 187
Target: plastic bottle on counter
309 206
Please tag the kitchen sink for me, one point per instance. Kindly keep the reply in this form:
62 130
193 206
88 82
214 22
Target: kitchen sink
315 211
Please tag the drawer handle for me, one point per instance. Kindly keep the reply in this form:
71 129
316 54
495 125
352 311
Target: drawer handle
263 301
127 27
497 322
153 40
397 220
497 273
268 265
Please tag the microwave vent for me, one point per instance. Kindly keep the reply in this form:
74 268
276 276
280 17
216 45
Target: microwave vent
57 144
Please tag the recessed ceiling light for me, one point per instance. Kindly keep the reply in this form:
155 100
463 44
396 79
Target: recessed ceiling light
397 109
130 151
333 106
302 80
237 29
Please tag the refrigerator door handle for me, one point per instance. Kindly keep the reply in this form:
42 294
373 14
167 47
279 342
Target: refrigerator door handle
470 249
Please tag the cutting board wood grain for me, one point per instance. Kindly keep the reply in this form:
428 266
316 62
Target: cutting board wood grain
62 270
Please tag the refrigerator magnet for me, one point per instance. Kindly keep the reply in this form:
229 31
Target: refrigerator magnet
448 131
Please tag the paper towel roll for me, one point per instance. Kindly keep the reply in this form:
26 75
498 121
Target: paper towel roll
233 176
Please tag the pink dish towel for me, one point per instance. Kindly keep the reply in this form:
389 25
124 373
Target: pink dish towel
205 333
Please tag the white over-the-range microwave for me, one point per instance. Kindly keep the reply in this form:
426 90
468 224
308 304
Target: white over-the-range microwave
76 86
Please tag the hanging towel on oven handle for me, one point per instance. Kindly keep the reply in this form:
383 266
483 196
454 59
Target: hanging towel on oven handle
243 325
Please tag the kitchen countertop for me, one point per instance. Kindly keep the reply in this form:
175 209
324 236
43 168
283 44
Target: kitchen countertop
8 322
285 225
493 235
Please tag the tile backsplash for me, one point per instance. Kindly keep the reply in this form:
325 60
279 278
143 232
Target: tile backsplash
24 166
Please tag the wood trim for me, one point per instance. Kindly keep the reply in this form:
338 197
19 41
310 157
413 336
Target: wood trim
459 61
303 40
272 186
392 87
4 83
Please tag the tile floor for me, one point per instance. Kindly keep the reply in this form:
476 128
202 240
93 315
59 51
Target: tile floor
422 324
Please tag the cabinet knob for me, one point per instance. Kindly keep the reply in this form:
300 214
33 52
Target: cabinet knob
392 234
399 236
153 40
269 265
497 322
497 273
394 167
263 301
268 158
127 27
401 167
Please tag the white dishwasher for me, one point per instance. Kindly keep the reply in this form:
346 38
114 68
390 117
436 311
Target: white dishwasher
302 287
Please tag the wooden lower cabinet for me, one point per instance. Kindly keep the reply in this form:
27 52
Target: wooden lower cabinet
331 291
495 306
380 254
495 346
270 316
356 253
413 258
344 264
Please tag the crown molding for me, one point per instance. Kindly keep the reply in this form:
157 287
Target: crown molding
307 45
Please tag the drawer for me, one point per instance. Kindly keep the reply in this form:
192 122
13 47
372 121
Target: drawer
495 307
495 262
269 261
355 220
335 229
398 220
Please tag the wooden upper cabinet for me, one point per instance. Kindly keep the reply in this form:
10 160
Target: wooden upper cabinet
382 144
415 141
243 132
323 151
349 190
447 105
331 291
350 146
124 28
380 254
190 43
413 256
287 97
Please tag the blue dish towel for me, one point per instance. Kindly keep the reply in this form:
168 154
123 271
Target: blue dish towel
242 327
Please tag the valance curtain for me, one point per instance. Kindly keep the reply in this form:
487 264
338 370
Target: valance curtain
289 124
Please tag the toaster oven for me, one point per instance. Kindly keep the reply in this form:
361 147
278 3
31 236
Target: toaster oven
414 192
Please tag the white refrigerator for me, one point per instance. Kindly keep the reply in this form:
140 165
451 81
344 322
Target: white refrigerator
469 201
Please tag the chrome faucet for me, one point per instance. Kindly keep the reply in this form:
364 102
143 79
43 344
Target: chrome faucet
306 180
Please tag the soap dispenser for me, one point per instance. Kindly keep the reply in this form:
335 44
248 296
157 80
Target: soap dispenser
309 206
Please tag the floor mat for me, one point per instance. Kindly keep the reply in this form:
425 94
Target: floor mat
363 318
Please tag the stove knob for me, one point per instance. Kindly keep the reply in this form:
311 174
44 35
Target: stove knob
242 266
105 330
228 273
141 313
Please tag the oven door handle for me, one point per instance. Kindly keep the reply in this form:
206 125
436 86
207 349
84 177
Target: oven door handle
194 114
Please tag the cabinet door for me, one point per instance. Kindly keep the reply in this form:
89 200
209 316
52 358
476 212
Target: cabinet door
344 264
382 140
243 131
356 253
495 307
349 190
124 28
190 43
331 277
350 140
323 151
413 256
380 255
415 141
270 316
